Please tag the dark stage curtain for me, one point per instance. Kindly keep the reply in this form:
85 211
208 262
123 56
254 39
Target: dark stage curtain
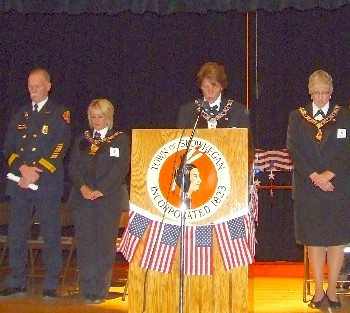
146 65
275 229
162 7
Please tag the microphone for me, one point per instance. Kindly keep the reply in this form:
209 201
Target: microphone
202 104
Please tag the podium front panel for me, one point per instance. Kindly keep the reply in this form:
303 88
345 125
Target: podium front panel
218 190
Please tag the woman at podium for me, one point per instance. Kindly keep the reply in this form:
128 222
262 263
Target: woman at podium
98 168
215 110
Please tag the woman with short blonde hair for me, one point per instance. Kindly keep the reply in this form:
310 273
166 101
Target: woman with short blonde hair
105 107
318 140
320 77
98 168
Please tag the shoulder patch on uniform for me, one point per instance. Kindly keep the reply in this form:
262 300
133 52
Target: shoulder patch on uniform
66 116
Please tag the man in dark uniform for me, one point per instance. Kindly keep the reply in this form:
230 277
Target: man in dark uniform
37 139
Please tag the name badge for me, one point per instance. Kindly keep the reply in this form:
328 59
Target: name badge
341 133
114 152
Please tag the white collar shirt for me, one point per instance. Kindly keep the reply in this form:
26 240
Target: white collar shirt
40 104
324 109
103 132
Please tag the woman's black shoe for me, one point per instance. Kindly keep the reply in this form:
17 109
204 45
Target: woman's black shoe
334 304
318 304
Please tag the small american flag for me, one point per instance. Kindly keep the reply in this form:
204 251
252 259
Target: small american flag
132 234
273 160
233 243
160 248
198 250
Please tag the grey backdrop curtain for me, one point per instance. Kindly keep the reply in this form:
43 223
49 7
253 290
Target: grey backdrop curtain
161 7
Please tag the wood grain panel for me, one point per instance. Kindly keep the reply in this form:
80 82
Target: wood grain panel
225 291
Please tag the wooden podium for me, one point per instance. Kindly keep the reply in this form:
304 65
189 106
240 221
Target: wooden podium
221 156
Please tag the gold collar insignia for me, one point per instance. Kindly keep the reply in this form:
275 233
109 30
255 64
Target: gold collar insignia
214 119
320 124
96 142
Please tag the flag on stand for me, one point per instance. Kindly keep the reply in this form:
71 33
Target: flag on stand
160 247
198 250
273 160
233 243
132 234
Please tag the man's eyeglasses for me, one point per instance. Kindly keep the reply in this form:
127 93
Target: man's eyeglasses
320 93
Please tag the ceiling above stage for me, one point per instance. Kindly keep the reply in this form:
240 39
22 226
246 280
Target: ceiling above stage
162 7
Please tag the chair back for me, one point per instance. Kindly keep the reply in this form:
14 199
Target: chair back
4 213
124 219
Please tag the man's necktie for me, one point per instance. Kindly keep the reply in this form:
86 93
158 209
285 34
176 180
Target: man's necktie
320 112
36 107
97 136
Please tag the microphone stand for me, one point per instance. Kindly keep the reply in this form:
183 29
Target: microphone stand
185 204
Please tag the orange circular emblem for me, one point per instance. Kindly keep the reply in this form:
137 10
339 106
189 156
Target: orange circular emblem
203 180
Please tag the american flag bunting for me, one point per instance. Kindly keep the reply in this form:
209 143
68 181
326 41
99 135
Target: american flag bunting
198 250
233 243
160 247
132 234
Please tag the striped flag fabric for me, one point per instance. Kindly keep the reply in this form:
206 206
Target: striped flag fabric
251 219
232 242
132 234
198 254
160 248
273 160
254 201
251 235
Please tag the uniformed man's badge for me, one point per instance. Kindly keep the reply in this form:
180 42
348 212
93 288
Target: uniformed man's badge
21 126
26 115
66 116
45 129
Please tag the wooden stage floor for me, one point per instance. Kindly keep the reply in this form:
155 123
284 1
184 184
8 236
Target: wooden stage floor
275 288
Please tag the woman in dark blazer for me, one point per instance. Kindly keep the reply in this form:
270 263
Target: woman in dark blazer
98 168
218 112
318 140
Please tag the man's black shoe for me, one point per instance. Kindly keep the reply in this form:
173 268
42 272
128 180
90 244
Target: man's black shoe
12 292
49 294
93 300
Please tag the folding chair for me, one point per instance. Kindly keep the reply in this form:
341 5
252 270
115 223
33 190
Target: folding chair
124 219
68 244
4 218
307 275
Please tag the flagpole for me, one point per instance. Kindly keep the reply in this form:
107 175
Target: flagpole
185 204
182 250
